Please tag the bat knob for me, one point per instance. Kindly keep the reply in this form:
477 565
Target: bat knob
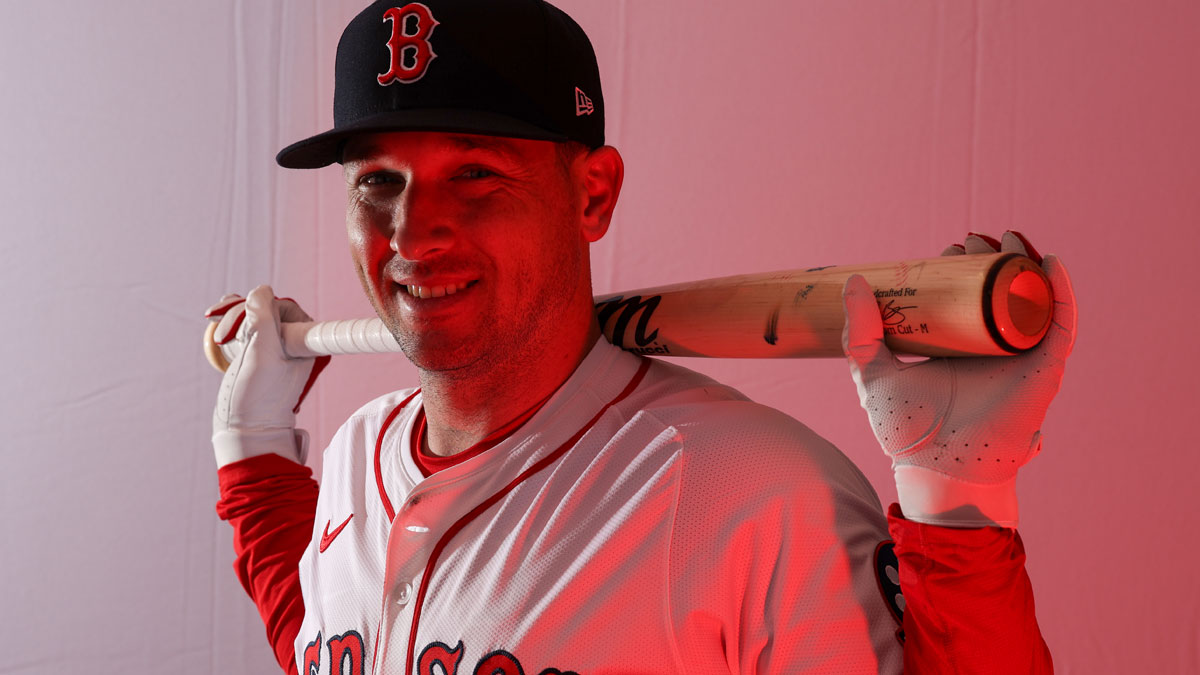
212 350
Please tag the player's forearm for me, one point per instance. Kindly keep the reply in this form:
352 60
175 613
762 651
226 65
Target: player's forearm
270 502
968 600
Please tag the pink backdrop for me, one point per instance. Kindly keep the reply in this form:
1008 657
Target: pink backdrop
139 186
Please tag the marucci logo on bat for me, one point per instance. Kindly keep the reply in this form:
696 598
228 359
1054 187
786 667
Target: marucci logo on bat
621 311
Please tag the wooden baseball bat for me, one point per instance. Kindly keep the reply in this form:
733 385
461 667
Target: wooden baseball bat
967 305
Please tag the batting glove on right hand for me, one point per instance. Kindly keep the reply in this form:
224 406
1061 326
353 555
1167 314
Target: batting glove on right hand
957 429
262 389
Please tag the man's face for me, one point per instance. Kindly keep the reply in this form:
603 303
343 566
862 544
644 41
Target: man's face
469 247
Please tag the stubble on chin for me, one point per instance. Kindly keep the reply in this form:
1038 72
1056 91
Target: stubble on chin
504 344
429 355
451 354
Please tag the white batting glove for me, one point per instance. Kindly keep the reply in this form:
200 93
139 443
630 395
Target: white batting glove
957 429
262 389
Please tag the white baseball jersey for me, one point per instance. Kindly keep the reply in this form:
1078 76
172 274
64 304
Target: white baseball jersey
645 520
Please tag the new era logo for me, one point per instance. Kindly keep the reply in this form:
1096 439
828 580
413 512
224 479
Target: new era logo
583 104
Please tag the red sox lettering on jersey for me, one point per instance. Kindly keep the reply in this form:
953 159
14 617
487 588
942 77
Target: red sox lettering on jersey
345 655
411 53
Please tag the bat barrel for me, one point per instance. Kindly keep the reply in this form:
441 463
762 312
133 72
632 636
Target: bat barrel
966 305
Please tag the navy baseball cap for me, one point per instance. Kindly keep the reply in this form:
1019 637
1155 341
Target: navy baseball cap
514 68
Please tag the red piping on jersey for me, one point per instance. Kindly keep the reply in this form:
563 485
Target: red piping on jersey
387 503
431 464
491 501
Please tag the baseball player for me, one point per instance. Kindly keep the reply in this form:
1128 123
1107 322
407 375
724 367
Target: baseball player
546 503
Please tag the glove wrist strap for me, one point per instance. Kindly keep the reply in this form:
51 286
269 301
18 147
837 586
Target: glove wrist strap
234 445
934 498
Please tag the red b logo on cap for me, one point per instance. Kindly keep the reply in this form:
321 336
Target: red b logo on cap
414 45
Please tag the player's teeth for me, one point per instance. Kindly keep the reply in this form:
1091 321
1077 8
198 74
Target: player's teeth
433 291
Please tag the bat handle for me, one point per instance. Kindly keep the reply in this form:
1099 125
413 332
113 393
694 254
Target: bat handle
315 338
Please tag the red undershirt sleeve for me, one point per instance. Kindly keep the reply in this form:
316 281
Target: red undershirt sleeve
968 601
271 502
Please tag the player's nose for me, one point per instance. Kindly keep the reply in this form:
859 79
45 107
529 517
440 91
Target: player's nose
421 227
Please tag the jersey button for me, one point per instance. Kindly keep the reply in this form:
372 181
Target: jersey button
403 594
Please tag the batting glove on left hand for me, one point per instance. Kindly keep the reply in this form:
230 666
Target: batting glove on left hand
957 429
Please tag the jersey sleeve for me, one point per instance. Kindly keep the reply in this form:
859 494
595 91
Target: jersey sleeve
773 557
270 501
968 600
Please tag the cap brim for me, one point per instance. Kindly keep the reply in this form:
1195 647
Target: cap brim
325 149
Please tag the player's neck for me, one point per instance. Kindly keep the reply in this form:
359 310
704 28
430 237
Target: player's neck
462 411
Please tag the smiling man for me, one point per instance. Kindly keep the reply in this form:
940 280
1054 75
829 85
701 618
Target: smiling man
546 503
451 233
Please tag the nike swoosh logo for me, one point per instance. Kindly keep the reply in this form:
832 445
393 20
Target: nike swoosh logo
327 538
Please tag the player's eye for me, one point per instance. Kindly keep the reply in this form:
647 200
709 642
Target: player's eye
476 173
380 178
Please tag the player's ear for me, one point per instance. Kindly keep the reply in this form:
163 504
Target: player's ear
602 171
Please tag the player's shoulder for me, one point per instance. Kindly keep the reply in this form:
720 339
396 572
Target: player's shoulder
671 387
382 406
709 409
371 417
726 436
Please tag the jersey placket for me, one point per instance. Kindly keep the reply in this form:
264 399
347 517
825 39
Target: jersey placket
418 526
428 521
436 504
